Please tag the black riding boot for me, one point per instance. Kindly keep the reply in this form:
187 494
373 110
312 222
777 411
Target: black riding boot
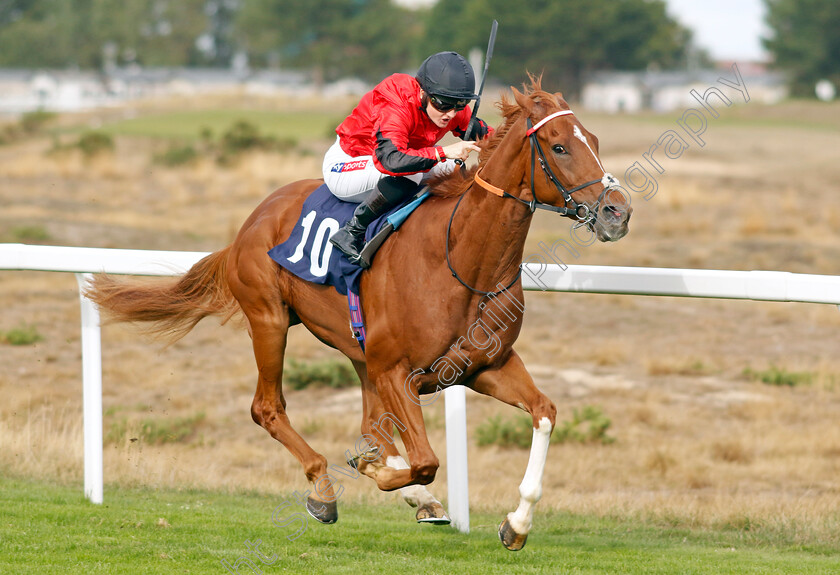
389 192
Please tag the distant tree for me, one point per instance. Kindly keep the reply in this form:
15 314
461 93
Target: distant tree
13 10
804 41
335 38
151 32
563 39
217 43
58 33
380 41
34 33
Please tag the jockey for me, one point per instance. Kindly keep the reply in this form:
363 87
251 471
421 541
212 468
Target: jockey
387 146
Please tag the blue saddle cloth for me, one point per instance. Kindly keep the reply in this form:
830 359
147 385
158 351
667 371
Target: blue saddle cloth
307 252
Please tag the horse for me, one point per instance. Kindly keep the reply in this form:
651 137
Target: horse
443 301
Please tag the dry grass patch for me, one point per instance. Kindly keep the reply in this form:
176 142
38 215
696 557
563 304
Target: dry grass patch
660 462
609 352
731 451
43 442
660 366
679 193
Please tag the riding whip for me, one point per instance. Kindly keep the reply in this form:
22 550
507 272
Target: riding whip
489 55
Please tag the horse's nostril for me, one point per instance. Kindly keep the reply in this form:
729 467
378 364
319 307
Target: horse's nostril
612 211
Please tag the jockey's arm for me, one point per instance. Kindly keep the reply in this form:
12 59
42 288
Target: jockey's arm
392 155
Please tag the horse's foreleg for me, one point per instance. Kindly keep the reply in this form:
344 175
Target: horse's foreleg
268 331
386 458
399 411
513 385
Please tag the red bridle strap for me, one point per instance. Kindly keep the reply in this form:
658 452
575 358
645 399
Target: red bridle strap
539 124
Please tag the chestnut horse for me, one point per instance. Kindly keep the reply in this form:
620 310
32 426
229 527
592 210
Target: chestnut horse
442 302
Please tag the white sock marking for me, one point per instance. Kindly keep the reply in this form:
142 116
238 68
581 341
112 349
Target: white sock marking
530 490
415 495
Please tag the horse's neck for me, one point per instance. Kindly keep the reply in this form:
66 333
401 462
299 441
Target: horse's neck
489 231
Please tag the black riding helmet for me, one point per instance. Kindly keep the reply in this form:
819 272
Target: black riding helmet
447 74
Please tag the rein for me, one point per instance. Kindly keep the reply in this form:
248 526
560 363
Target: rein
452 269
582 212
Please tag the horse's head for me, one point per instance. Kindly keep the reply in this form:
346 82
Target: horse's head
565 173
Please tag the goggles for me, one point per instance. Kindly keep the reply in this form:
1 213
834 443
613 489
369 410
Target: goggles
445 104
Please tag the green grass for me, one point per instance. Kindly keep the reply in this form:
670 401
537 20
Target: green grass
191 126
52 529
330 373
156 431
27 234
90 142
177 155
589 425
21 335
779 376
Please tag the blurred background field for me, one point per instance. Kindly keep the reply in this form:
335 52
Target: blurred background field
718 413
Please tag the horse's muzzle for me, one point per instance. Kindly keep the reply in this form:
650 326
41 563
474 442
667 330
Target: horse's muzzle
611 223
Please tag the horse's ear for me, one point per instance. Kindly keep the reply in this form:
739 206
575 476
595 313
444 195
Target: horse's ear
524 101
558 96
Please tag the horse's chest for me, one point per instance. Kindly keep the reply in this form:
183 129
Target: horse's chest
471 348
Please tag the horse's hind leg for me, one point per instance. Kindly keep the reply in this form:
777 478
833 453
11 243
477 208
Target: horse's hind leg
386 458
513 385
268 331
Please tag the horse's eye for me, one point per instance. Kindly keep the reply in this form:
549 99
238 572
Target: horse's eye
558 149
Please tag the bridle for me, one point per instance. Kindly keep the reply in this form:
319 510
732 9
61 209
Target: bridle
580 211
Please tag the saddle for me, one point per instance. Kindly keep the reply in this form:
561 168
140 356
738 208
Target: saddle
309 255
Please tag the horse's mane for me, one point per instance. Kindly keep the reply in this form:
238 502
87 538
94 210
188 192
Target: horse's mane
459 181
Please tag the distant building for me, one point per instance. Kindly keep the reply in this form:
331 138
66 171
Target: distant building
664 91
71 91
61 91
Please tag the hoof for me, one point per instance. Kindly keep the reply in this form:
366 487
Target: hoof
510 538
432 513
359 460
322 511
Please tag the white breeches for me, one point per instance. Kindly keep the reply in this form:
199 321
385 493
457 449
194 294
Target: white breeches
352 178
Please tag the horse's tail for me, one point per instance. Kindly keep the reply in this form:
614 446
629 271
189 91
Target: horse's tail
170 309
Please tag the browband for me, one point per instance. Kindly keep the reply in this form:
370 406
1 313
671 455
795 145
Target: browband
539 124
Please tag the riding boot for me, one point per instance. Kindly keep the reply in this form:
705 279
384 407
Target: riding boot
389 192
350 239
